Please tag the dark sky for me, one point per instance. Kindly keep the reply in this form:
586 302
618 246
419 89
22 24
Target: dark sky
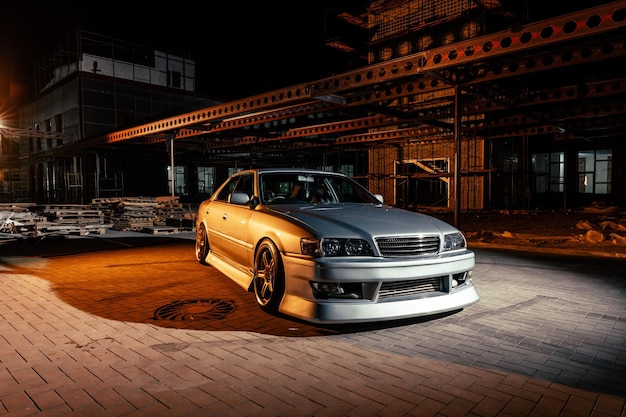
240 48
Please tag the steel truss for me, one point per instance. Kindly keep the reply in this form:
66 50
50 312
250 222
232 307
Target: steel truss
412 98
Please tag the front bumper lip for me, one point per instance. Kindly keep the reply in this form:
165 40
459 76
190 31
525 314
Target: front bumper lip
367 311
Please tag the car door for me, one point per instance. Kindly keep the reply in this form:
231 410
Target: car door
214 216
234 225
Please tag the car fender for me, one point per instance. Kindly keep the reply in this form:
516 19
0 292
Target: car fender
285 231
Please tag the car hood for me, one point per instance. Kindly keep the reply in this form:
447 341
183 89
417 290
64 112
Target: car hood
362 220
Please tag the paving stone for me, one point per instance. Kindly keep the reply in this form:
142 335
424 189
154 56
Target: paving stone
78 337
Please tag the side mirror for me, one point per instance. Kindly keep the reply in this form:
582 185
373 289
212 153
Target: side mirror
380 198
239 198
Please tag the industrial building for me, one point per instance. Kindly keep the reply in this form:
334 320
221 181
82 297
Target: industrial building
459 104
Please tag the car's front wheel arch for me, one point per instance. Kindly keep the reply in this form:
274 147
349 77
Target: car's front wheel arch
268 282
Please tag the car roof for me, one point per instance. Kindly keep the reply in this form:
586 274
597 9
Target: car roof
283 170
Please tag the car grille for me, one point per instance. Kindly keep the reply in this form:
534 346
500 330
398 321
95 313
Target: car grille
408 245
412 287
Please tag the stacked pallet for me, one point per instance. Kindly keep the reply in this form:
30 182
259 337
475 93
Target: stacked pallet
108 207
148 214
170 208
70 219
30 220
74 214
134 214
154 215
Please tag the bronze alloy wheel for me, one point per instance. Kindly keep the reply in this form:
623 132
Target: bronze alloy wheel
202 244
269 277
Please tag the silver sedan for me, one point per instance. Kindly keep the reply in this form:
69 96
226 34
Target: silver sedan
318 246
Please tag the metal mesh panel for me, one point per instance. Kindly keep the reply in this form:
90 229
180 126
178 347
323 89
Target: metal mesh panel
412 287
408 245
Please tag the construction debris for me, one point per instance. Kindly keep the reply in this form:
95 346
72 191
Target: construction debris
155 215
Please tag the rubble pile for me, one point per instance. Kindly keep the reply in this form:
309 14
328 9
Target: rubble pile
594 228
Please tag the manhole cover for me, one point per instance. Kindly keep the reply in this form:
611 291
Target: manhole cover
194 310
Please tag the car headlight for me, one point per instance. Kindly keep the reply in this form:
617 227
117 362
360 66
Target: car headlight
335 247
454 241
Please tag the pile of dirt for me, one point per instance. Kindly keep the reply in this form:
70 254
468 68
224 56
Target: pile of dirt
597 230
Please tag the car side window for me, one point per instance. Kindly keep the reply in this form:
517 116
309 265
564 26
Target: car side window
246 185
227 190
238 184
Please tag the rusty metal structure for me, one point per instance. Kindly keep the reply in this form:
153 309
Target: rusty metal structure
490 69
438 107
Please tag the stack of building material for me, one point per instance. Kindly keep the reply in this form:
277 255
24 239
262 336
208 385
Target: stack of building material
134 213
138 214
108 207
19 220
170 212
151 215
70 218
74 214
148 214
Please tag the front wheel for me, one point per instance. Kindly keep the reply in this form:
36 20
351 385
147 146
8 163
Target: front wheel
202 244
269 277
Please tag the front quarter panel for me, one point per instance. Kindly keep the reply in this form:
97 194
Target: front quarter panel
283 230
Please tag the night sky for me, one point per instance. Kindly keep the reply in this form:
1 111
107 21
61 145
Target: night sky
240 48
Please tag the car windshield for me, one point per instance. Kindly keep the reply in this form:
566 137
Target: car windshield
293 188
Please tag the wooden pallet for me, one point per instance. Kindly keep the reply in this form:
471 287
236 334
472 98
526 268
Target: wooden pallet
160 230
54 229
76 216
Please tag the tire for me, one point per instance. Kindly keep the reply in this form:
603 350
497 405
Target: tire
202 244
269 277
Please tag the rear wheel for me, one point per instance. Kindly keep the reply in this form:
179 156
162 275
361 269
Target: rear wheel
202 244
269 277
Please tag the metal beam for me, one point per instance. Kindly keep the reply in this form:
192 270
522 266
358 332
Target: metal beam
565 29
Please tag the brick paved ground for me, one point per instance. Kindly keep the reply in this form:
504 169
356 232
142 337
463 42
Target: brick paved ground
83 335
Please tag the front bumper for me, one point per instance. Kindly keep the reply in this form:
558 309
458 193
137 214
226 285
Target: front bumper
299 300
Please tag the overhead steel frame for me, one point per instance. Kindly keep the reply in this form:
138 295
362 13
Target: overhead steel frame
371 84
385 102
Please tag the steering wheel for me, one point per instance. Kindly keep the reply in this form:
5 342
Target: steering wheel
277 197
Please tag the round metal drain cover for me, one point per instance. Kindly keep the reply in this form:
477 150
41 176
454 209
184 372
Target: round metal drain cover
194 310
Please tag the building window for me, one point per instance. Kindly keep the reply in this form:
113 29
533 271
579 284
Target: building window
206 180
175 79
347 170
549 171
179 180
594 172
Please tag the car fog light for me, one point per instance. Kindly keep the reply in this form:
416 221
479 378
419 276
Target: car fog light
336 290
328 288
461 279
